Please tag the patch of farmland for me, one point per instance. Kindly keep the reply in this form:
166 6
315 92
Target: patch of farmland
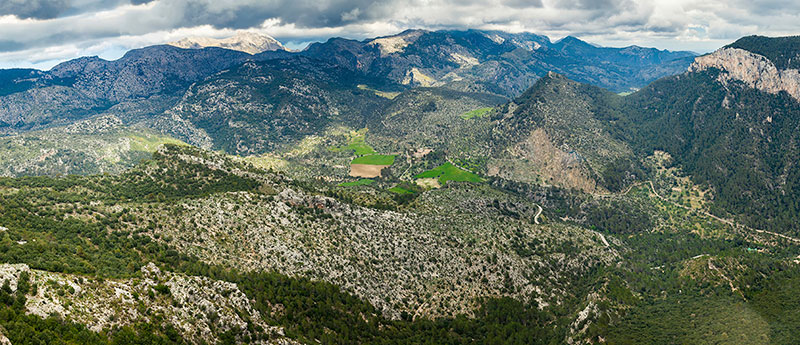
475 113
374 160
366 170
449 172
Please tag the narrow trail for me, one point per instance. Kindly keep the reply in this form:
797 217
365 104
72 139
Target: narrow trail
538 213
703 212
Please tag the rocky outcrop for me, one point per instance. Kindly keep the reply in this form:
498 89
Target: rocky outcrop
3 339
436 261
754 70
396 43
248 42
198 307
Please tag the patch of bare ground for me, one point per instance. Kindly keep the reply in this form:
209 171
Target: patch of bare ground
538 157
428 183
366 170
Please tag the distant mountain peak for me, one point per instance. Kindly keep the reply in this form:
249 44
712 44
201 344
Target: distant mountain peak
396 43
248 42
573 40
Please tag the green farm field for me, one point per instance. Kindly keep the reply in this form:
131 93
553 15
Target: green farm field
449 172
374 160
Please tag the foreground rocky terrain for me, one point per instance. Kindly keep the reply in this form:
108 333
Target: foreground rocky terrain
428 260
198 308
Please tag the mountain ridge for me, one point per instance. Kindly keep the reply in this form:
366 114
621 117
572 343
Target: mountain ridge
452 53
248 42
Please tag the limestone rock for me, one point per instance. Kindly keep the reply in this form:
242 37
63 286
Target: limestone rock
754 70
248 42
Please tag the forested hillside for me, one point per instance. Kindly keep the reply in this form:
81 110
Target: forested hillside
741 142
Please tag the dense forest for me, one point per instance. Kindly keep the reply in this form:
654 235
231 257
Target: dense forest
782 51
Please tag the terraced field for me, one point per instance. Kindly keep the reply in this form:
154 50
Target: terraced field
374 160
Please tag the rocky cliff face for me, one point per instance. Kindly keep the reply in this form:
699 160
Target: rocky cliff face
752 69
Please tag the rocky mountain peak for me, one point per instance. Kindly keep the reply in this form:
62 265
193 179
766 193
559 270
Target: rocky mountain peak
248 42
756 71
396 43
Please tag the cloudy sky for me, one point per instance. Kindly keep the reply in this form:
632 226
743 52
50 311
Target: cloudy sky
41 33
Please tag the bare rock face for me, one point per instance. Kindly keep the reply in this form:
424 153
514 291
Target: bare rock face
396 43
248 42
754 70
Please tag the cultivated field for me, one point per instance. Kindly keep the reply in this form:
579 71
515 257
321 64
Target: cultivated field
449 172
366 170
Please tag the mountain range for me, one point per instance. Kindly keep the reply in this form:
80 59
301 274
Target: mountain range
427 187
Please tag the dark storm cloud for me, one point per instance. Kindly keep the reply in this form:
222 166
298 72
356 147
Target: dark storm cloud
38 9
244 14
49 9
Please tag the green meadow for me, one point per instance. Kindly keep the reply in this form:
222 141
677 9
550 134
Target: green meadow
475 113
374 160
449 172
